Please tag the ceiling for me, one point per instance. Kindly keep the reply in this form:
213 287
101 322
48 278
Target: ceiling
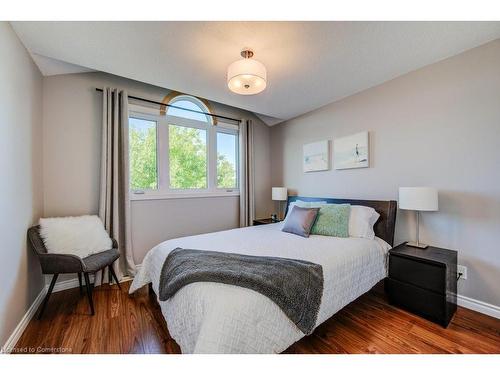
52 67
309 64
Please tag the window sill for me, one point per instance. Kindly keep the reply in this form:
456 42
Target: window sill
161 196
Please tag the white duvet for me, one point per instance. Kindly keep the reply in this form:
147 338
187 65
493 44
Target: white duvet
219 318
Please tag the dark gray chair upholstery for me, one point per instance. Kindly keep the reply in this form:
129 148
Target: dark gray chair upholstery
56 264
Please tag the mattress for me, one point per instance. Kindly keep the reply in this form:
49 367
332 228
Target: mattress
219 318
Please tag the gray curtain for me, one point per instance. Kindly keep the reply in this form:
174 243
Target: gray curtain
247 197
114 204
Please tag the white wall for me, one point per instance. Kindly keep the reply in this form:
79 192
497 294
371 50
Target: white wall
72 141
171 218
21 182
438 126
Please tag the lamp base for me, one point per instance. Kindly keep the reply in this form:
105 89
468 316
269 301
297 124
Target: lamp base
418 245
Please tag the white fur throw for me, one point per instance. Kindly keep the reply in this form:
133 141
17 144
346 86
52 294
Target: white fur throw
79 235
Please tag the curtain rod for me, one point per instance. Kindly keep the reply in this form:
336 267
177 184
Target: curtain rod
177 107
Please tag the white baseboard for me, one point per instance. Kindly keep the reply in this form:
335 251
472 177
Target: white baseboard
18 331
65 284
73 283
479 306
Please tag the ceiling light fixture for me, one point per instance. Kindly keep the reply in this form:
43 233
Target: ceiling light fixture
246 76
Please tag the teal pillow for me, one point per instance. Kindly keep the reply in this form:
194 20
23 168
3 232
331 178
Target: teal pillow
332 220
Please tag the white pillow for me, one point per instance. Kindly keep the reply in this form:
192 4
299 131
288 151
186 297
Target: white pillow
304 204
361 221
80 235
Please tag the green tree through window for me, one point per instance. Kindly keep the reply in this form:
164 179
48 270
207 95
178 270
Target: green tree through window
187 157
226 160
142 151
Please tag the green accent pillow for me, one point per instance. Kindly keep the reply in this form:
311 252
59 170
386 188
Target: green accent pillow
332 220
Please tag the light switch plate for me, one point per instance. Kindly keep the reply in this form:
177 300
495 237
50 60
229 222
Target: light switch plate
463 270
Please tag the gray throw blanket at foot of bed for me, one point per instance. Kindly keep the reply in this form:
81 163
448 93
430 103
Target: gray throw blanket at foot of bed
296 286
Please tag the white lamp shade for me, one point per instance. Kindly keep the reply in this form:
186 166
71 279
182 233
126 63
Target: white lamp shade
280 194
246 77
418 198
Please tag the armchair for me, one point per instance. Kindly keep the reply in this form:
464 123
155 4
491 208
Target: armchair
56 264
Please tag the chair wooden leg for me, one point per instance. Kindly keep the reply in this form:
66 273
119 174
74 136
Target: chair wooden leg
80 282
110 277
89 292
112 272
46 299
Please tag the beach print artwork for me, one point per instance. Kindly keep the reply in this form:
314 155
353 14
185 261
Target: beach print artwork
351 151
316 156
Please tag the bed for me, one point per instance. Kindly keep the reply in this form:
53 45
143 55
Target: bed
219 318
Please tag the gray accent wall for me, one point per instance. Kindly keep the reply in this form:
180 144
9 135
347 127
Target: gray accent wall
21 183
438 126
71 158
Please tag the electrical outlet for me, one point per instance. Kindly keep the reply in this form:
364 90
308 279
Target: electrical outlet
463 271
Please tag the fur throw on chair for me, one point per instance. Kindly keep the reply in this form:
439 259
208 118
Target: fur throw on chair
80 235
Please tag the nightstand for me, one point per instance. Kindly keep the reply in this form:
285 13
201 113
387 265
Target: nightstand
264 221
423 281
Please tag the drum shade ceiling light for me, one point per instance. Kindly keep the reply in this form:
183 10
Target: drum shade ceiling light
246 76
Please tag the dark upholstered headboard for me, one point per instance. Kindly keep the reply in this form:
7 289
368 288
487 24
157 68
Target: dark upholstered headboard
384 227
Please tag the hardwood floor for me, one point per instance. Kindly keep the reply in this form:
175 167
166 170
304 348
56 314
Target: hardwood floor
134 324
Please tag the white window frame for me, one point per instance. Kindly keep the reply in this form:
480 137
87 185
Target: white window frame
162 156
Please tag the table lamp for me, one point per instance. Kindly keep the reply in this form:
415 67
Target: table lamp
418 199
279 194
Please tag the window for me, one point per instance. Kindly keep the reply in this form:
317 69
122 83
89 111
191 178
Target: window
142 154
187 104
181 153
187 157
227 160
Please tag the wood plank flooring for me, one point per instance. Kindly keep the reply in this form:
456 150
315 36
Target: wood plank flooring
134 324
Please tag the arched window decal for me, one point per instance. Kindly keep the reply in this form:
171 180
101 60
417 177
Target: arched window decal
189 102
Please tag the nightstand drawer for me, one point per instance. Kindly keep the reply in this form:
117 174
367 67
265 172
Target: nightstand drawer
422 302
418 273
